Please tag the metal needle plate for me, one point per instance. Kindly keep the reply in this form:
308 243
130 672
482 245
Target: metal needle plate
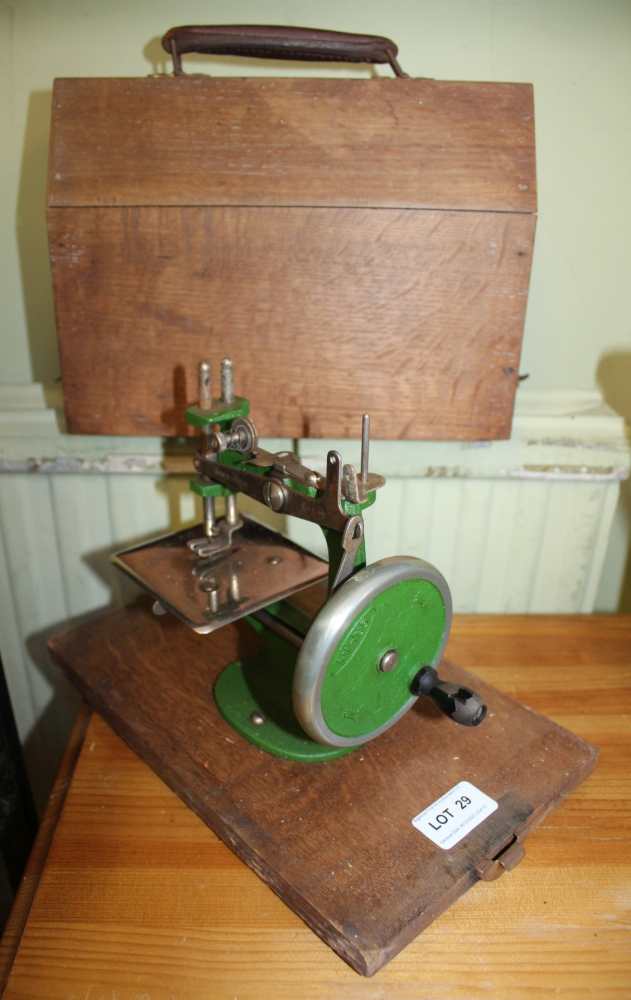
260 568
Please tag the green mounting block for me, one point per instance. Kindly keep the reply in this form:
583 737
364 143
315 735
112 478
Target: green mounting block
209 489
221 413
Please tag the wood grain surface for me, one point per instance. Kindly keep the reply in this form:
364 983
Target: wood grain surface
14 927
414 317
139 901
354 245
335 841
198 140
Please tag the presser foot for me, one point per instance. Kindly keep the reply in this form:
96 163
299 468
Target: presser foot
221 540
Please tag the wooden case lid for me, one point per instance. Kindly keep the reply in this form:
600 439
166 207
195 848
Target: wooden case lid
353 245
198 140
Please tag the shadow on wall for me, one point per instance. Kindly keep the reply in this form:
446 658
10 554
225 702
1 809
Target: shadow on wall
614 378
32 239
45 744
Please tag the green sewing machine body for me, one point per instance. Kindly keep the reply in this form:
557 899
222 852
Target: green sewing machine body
320 684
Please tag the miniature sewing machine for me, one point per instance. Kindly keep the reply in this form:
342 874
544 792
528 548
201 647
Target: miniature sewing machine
323 685
255 725
294 703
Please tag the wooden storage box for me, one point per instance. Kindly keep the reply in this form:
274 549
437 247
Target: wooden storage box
352 244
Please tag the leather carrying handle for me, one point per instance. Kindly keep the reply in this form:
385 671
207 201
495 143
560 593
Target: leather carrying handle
271 42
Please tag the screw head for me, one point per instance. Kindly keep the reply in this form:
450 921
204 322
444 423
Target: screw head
389 661
274 495
257 718
217 441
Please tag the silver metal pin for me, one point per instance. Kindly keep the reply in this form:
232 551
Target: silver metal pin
213 600
227 381
365 446
232 514
234 587
205 385
227 396
209 516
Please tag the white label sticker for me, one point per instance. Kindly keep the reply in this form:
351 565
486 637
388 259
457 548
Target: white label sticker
454 814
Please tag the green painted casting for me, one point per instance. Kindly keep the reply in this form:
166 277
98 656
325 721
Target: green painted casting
356 696
209 489
264 684
221 413
288 613
355 701
350 509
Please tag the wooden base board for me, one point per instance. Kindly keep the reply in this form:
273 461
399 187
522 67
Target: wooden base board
334 840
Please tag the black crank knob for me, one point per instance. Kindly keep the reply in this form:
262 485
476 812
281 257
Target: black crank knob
458 703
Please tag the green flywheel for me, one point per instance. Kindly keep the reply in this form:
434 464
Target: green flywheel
357 662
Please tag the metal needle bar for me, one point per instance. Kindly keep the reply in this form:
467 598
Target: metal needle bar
227 395
205 403
365 446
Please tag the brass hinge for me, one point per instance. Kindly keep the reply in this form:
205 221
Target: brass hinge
505 860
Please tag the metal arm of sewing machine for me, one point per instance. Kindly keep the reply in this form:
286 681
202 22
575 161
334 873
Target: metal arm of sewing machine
230 460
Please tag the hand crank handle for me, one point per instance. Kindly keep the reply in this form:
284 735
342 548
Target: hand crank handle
458 703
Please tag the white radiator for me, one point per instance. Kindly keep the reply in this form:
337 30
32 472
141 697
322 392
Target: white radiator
515 526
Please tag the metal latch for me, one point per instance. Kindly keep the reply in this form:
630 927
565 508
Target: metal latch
491 868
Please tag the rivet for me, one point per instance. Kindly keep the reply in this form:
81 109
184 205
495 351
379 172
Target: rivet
389 661
257 718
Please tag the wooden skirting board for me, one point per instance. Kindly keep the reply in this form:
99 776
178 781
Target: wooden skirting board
335 841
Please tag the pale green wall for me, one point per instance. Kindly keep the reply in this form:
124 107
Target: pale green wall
576 52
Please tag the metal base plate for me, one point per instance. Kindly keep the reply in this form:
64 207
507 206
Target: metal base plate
261 567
